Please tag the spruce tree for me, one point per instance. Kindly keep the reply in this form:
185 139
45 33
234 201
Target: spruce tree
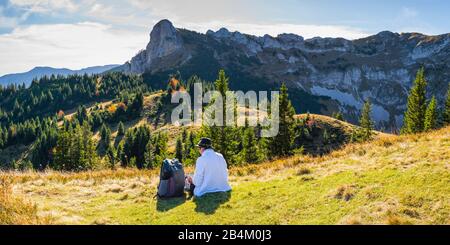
105 134
414 118
121 129
281 144
366 122
223 137
179 150
338 115
250 146
431 116
149 155
446 115
111 156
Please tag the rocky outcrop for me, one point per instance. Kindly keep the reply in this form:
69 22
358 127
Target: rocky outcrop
379 68
165 42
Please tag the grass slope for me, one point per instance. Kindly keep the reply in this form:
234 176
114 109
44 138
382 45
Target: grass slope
391 180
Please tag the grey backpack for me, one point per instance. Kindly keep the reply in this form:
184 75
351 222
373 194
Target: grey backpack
171 179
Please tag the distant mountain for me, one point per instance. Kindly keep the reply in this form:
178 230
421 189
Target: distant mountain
38 72
323 74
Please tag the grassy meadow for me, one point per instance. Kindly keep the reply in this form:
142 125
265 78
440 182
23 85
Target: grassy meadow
390 180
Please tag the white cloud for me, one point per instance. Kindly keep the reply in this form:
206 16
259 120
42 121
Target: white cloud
42 6
10 21
5 21
67 45
127 29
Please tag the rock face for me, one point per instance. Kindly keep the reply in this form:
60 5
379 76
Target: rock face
380 68
165 41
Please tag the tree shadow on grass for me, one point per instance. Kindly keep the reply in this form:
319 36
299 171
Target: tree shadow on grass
209 203
166 204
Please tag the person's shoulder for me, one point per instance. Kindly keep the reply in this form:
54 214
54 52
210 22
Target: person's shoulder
200 159
219 154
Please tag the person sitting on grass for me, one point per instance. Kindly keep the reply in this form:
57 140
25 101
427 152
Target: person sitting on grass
211 172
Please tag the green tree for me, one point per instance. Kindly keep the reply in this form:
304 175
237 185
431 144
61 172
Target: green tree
111 156
223 137
366 122
179 150
338 115
250 150
121 129
431 115
61 151
75 149
149 155
105 134
446 113
414 118
282 143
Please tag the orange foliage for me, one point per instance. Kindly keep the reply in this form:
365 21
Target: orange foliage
122 106
112 109
61 114
174 83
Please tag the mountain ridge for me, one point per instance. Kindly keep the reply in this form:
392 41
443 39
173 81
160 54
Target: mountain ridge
336 73
40 71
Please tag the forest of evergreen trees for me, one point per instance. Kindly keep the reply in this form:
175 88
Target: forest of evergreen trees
35 116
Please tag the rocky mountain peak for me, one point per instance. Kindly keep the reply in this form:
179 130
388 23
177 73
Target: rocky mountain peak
164 40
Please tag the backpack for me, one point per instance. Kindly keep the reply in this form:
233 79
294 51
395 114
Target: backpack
171 179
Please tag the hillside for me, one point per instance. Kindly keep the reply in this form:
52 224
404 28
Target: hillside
157 117
391 180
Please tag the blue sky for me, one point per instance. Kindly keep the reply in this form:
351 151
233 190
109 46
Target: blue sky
81 33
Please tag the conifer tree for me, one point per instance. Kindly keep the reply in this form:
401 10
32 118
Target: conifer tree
121 129
338 115
105 134
366 122
446 113
281 144
111 156
414 118
223 137
179 150
149 155
431 116
250 146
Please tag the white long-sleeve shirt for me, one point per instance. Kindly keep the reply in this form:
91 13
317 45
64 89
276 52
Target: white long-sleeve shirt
211 173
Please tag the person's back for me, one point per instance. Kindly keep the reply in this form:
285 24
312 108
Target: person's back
211 173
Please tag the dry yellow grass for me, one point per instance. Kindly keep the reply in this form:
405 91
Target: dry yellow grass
16 210
390 180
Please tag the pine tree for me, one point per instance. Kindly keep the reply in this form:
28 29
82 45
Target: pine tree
431 116
121 129
366 122
160 147
414 118
179 150
223 137
250 146
61 151
105 134
326 136
338 115
282 143
149 155
111 156
446 115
